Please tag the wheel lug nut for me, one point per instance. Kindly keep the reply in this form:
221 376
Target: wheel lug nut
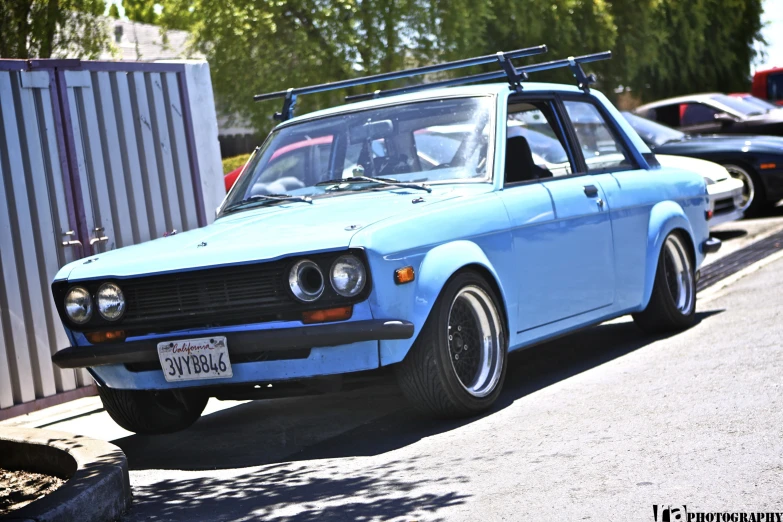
456 356
465 347
451 338
459 328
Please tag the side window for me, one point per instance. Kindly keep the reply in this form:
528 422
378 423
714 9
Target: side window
775 86
667 114
696 114
600 147
533 149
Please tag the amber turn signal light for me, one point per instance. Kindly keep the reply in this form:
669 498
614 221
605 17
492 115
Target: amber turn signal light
404 275
709 214
767 166
325 316
102 337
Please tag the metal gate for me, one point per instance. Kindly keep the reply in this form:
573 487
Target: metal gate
93 156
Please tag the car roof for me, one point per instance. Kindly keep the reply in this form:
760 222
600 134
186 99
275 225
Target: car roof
688 98
492 89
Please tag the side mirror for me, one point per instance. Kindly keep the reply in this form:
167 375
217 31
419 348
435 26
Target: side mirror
724 118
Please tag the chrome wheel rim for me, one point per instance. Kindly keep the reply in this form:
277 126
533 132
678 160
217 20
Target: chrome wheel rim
748 189
678 274
475 344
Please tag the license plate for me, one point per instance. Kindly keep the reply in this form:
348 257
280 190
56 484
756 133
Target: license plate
194 359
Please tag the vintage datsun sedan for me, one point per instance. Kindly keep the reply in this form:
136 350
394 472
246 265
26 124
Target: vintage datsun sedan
434 231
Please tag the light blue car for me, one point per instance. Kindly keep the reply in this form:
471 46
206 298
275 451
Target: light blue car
433 231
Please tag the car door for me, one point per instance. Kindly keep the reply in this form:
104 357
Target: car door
628 192
562 234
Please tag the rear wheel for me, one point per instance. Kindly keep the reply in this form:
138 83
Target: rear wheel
152 412
457 365
672 304
754 198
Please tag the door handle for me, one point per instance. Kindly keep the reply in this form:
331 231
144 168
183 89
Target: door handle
591 191
71 242
100 238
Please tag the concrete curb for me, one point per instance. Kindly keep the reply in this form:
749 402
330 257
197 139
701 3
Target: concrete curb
98 488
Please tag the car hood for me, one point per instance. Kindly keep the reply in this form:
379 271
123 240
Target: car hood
723 142
711 171
264 233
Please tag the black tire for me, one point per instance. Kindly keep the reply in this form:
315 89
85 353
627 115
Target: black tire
152 412
667 312
754 187
427 375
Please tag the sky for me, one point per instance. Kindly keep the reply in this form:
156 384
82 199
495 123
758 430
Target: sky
773 34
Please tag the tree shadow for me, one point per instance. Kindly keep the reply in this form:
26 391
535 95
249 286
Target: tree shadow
365 422
296 492
285 488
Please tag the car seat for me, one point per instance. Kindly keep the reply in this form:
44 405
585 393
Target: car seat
519 162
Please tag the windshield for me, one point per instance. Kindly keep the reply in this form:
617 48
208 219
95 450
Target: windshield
424 142
737 105
653 134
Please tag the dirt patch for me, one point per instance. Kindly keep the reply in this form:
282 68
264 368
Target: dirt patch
19 488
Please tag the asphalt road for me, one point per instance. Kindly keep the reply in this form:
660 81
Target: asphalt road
599 425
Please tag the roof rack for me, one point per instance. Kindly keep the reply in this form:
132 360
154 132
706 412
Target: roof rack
515 77
583 80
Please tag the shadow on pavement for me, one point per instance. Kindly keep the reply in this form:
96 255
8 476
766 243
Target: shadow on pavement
286 489
298 492
365 422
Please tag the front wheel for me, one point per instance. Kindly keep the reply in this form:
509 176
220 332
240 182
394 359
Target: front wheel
457 365
672 304
152 412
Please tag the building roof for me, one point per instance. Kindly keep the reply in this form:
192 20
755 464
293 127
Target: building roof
135 41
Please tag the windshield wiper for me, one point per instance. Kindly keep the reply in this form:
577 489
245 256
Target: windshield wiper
380 181
263 198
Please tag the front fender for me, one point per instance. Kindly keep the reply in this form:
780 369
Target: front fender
436 268
665 217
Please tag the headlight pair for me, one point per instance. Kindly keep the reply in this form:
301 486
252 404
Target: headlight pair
347 277
109 301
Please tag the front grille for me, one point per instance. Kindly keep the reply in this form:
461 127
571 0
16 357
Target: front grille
214 297
207 294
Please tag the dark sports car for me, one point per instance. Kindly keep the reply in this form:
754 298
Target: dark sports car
756 160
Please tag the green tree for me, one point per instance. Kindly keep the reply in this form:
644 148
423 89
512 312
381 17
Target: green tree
670 47
52 28
257 46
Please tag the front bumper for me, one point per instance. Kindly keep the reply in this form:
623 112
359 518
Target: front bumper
725 201
241 343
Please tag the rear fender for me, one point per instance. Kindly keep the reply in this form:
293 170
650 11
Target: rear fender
435 270
665 217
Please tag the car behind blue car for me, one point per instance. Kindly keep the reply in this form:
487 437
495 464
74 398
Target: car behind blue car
414 230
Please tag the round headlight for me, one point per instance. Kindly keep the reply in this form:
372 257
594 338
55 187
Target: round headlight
110 301
78 305
306 280
348 276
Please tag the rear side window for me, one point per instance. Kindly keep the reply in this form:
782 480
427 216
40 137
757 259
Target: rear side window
601 148
775 86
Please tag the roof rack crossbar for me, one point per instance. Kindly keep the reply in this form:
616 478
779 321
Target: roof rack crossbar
290 95
583 81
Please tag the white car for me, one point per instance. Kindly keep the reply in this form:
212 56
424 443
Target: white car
725 191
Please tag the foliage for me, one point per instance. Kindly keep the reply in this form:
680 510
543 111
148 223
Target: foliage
52 28
234 162
661 47
697 46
